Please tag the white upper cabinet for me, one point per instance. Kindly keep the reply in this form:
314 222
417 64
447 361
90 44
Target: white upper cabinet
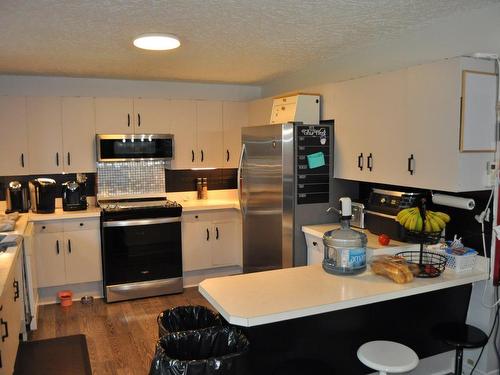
14 140
152 116
78 126
183 127
44 135
407 124
234 117
209 133
114 115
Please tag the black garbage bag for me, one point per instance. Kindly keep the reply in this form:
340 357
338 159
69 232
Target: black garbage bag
187 318
214 350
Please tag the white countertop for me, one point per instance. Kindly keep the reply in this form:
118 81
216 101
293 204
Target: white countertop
320 229
59 214
209 204
272 296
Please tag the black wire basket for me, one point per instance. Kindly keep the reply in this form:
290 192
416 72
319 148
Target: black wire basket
429 264
427 238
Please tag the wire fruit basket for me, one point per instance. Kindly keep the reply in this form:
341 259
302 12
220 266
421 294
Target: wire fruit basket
429 264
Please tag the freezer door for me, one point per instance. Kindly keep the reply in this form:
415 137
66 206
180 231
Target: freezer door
261 197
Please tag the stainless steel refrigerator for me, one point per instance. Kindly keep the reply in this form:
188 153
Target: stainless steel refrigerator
283 184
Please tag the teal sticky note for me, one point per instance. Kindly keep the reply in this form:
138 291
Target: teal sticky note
316 160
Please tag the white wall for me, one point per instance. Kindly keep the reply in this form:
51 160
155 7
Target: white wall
68 86
460 34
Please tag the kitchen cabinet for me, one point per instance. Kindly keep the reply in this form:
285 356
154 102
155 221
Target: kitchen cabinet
132 116
14 139
11 316
68 252
45 144
78 134
114 115
234 117
198 134
403 128
211 240
209 133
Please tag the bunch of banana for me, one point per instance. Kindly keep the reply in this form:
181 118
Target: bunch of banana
411 219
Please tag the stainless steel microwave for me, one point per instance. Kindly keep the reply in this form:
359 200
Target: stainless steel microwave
128 147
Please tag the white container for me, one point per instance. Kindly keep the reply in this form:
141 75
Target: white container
461 263
296 108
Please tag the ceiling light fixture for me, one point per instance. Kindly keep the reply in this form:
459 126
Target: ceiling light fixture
157 42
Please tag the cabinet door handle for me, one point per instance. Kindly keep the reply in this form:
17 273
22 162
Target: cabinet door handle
69 246
16 290
360 161
227 155
369 162
128 120
69 158
216 233
192 156
410 164
6 325
57 247
57 159
139 119
202 156
208 235
22 160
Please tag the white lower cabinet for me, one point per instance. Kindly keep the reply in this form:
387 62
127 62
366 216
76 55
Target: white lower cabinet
11 315
211 240
68 252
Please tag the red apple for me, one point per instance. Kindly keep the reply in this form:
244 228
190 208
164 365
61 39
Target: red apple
384 239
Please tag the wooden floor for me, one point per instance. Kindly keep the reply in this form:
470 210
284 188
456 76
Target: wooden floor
121 336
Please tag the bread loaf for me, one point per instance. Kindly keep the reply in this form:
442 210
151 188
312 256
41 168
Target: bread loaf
395 268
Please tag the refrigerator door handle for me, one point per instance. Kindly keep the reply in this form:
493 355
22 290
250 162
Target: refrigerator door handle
240 165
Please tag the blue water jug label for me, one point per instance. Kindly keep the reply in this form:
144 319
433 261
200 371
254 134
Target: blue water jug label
353 258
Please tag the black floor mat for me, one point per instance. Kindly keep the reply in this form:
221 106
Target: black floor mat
67 355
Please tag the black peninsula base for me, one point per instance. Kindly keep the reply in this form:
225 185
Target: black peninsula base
332 339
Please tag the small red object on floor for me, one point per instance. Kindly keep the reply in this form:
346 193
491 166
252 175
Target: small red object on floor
66 297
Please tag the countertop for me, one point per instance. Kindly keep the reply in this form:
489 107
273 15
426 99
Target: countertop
272 296
208 204
59 214
320 229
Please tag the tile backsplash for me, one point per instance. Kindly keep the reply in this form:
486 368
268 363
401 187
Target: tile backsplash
130 178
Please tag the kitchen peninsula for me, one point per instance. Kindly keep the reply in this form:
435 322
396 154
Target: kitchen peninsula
306 313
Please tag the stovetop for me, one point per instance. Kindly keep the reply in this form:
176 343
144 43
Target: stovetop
124 209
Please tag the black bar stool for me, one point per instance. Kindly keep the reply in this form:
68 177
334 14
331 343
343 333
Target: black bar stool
461 336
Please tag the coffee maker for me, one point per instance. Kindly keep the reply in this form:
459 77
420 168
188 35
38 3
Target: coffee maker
43 195
74 196
17 197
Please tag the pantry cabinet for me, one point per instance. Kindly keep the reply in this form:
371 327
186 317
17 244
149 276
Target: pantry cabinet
78 134
14 140
45 143
234 117
211 240
11 316
67 252
403 128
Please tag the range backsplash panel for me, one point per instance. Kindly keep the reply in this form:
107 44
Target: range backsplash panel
185 179
130 178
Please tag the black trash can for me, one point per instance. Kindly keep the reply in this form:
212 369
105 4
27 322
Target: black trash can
210 351
187 318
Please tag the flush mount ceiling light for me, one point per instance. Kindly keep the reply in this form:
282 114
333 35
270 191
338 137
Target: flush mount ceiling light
157 42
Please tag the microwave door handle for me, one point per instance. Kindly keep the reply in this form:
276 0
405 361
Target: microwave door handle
239 176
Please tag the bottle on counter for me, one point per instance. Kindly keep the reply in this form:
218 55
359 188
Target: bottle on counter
199 188
204 194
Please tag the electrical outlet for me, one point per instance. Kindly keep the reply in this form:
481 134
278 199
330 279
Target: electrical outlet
470 362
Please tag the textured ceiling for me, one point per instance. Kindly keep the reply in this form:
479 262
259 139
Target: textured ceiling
245 41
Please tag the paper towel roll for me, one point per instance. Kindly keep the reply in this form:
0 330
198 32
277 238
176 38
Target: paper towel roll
451 201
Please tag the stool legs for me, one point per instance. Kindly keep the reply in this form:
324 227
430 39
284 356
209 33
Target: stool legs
459 357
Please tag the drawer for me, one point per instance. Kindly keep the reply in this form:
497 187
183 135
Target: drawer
286 100
214 215
81 224
49 227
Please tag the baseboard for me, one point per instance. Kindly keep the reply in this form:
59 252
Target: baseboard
48 296
193 278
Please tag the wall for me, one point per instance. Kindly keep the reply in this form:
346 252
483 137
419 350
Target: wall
67 86
457 35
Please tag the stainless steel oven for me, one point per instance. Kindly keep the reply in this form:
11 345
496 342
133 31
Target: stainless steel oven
142 250
128 147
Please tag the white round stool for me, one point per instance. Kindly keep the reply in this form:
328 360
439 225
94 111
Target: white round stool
387 357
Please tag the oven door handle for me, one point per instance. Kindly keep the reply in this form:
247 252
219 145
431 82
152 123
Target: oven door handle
130 223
